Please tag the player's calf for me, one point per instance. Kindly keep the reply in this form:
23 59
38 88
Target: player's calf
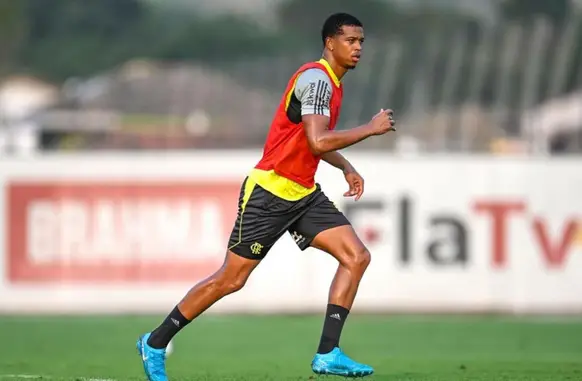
354 258
231 277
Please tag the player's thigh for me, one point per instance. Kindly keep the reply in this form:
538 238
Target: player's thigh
320 216
344 245
325 227
261 220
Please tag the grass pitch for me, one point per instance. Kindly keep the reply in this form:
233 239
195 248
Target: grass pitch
405 348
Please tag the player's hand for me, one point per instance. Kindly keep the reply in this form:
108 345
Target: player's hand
382 122
356 183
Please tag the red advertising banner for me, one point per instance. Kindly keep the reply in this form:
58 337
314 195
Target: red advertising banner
107 232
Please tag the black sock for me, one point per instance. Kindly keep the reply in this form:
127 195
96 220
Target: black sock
335 317
162 335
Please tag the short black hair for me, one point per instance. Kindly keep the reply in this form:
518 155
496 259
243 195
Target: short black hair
334 23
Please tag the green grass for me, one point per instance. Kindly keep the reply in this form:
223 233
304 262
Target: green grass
281 348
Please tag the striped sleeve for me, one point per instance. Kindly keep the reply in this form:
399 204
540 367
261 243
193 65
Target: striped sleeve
313 89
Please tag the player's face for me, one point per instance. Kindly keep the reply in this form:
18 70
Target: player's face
348 46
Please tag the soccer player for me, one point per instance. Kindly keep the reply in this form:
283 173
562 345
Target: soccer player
280 195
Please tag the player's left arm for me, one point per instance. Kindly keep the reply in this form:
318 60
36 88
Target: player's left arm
337 160
314 89
354 179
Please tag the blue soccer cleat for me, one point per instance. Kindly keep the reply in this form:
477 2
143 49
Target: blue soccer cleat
154 360
339 364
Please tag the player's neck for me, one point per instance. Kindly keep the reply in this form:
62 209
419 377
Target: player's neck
337 69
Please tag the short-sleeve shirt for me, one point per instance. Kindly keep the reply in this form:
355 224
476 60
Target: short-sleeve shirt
313 89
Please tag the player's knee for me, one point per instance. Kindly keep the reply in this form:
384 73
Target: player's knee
237 284
230 284
364 258
360 259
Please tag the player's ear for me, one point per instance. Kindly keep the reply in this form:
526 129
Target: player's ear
329 43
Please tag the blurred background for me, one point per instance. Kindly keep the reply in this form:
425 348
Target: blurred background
127 127
479 76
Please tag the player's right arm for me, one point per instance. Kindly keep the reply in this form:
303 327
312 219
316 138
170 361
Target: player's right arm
322 140
313 89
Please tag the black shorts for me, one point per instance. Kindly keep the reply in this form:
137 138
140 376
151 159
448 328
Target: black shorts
263 218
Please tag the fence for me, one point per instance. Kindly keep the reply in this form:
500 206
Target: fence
125 233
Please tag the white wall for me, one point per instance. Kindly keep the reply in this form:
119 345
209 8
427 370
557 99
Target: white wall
133 233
